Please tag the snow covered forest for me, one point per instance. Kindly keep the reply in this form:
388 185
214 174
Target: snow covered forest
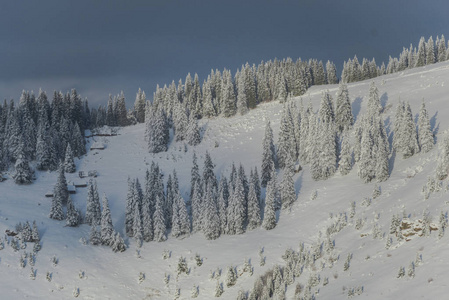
196 186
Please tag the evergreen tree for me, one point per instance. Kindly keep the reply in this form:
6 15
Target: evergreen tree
107 230
228 105
158 134
382 171
23 174
253 206
288 194
180 122
421 55
425 136
366 170
159 221
409 140
94 235
443 160
195 176
118 244
196 206
129 216
268 153
331 73
430 54
60 196
73 214
345 161
343 112
139 106
93 211
236 209
69 164
269 219
374 105
208 173
242 102
326 111
193 133
223 195
137 222
286 142
211 225
120 110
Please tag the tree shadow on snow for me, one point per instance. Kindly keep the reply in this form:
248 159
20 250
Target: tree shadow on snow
356 106
434 126
384 99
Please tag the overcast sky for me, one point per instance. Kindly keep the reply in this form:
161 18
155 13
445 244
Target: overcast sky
102 47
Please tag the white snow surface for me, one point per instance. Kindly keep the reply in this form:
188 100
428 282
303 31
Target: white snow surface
111 275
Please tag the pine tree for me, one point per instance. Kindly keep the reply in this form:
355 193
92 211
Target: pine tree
193 133
366 170
69 164
228 105
208 173
184 220
286 142
288 194
430 55
159 221
343 112
326 111
93 211
107 230
35 233
60 196
267 155
129 216
195 176
223 195
236 209
118 244
425 136
94 235
253 206
137 223
345 160
23 174
211 225
269 219
409 140
196 210
139 106
421 55
73 215
242 102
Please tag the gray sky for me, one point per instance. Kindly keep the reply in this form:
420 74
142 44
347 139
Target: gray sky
104 46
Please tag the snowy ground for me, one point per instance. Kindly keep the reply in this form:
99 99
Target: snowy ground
111 275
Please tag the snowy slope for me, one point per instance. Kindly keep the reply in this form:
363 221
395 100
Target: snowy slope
111 275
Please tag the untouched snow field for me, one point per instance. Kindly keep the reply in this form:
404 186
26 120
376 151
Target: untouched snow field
109 275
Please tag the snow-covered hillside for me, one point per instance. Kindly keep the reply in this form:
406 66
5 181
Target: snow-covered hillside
373 268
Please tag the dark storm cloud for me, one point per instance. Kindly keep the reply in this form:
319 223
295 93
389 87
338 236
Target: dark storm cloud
102 47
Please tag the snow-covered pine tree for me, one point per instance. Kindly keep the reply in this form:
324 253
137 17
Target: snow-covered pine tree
159 221
430 54
137 222
228 105
129 216
60 196
326 112
73 215
107 230
139 106
331 73
223 195
242 102
421 55
118 244
397 125
328 148
236 209
269 219
343 112
288 194
374 104
193 136
443 160
208 173
158 134
94 235
366 170
286 142
345 161
180 122
93 210
254 218
268 155
183 216
382 167
211 221
69 164
196 207
409 140
425 136
23 174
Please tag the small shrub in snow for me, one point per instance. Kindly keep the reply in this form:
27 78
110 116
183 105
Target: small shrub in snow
418 259
325 281
401 272
83 241
231 276
411 270
177 293
314 195
37 247
359 224
32 274
2 245
166 254
48 276
22 262
166 278
352 212
376 233
298 289
194 292
54 260
182 266
199 260
31 259
314 280
247 268
76 292
347 262
81 274
242 295
218 289
376 191
119 244
23 245
353 291
141 277
366 202
261 260
388 243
